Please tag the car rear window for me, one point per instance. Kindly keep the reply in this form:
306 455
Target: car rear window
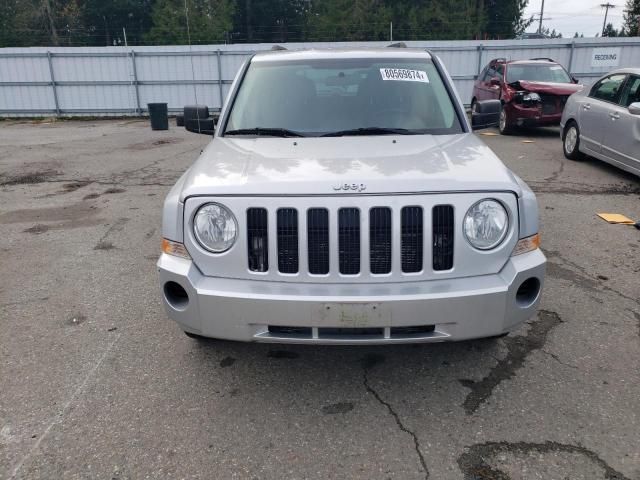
322 96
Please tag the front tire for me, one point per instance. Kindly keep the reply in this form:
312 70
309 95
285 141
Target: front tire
571 142
504 125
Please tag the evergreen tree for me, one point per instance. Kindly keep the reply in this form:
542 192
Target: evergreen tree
209 22
631 26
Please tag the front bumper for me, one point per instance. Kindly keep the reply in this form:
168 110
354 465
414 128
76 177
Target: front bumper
278 312
521 116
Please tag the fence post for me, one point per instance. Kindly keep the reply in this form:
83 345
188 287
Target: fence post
480 48
135 82
220 79
570 66
53 84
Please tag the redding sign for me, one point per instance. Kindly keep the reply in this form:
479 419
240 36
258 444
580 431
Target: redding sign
605 57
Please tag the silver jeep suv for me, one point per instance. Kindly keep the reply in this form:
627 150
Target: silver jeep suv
345 200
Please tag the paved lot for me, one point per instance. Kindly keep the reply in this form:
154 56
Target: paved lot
97 383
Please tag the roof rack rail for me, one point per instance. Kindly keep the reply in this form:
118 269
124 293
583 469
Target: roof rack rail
544 58
278 47
397 45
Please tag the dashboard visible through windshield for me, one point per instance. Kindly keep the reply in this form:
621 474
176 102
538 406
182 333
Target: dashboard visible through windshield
336 97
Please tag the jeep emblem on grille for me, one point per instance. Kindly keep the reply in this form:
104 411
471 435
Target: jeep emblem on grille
356 187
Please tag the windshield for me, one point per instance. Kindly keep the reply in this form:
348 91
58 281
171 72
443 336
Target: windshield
537 73
343 96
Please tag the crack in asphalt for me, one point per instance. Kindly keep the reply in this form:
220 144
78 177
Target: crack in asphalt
569 188
474 466
369 363
557 359
518 349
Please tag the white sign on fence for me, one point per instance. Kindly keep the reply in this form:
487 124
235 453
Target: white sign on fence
605 57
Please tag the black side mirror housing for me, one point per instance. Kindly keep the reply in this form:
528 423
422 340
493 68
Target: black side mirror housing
486 114
495 81
206 126
198 120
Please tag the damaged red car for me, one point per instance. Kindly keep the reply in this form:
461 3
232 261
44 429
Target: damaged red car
533 92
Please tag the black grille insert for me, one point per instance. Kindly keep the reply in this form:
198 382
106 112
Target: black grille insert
443 233
412 331
380 240
328 332
300 332
349 241
288 240
411 239
257 239
318 240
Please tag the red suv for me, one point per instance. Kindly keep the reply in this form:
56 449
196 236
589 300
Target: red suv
533 92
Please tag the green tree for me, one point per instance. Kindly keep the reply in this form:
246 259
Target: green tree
209 22
349 20
609 31
270 20
505 18
631 25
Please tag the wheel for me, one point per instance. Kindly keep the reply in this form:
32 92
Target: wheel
571 142
503 125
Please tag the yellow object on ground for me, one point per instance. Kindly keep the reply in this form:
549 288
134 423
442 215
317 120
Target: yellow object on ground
616 218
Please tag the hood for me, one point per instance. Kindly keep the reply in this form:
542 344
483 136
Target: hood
365 165
550 87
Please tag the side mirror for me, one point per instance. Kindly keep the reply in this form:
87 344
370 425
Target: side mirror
197 119
486 114
574 79
205 126
495 82
634 108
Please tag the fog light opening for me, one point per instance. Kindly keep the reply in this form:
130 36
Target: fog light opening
528 292
176 296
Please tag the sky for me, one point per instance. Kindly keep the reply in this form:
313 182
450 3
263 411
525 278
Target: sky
571 16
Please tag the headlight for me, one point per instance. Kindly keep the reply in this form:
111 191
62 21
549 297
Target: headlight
531 97
215 227
486 224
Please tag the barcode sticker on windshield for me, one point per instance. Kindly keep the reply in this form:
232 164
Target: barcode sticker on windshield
404 75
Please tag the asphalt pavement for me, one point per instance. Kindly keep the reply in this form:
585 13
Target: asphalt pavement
96 382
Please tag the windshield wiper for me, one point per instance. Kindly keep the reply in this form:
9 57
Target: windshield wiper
370 131
271 132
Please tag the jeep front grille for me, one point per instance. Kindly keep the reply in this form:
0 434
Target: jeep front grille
350 240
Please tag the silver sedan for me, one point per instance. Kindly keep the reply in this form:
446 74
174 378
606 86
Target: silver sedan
603 121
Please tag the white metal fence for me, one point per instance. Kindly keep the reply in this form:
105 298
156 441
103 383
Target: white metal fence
68 81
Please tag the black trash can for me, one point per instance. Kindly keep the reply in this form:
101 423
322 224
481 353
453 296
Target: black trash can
159 116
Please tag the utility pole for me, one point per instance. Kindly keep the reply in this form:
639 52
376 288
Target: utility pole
541 16
606 6
391 31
